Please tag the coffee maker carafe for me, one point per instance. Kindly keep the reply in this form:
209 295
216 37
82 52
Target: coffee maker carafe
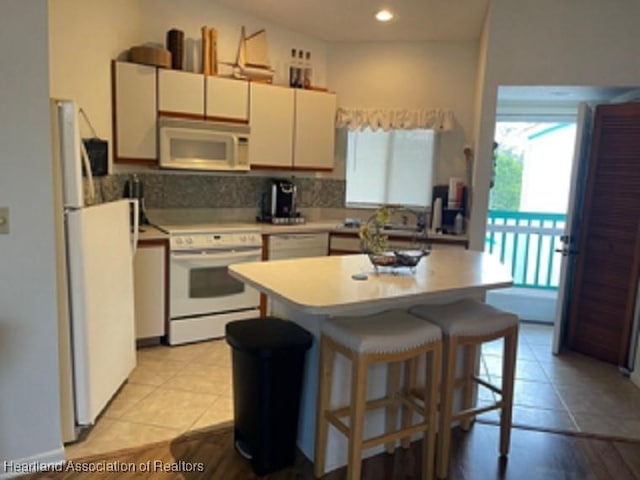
133 188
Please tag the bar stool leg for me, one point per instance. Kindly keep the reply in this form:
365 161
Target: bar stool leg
432 371
410 381
327 355
391 414
356 430
469 366
508 374
446 406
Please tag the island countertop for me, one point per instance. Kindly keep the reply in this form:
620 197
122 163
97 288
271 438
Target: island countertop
324 285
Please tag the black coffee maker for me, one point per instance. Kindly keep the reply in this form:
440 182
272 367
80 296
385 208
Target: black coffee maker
279 203
133 188
283 199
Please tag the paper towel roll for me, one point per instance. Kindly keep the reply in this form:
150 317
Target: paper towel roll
436 215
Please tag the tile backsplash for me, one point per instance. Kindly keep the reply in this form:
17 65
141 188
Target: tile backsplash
218 191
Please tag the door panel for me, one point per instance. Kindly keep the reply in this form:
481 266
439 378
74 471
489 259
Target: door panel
573 224
603 293
102 304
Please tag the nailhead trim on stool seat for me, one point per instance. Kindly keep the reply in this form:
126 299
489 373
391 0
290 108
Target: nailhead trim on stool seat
467 324
386 332
394 337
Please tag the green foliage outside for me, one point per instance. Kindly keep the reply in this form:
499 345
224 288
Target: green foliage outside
505 194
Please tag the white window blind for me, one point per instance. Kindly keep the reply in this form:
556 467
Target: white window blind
390 167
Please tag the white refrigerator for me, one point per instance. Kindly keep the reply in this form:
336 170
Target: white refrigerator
95 249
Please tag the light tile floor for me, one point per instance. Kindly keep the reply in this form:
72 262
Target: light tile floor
177 389
568 392
171 391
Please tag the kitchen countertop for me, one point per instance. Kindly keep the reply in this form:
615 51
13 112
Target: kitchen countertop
149 232
318 226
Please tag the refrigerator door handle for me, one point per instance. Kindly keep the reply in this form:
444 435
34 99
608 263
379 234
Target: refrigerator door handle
136 224
87 168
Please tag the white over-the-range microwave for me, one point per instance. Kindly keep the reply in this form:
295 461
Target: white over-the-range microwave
203 145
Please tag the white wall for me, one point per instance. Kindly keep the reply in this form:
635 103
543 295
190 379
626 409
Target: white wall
29 405
87 34
411 75
549 43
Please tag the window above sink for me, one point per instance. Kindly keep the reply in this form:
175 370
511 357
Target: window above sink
390 167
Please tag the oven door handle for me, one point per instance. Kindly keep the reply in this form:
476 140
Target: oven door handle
233 255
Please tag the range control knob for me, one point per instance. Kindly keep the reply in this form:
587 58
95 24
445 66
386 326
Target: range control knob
179 241
189 240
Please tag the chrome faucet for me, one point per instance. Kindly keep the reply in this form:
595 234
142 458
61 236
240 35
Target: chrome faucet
421 218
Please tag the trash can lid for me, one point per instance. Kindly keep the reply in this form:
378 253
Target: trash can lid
267 336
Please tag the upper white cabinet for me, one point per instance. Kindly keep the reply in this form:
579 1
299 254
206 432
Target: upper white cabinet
226 99
271 119
291 129
135 110
180 93
314 132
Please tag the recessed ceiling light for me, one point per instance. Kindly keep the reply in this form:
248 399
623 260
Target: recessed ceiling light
384 15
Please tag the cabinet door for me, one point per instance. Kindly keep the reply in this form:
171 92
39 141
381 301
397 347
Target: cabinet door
226 99
271 120
181 93
149 274
135 111
314 130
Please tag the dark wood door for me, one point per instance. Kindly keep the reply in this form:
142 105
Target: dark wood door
608 256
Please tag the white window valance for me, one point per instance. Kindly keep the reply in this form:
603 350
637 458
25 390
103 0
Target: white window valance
394 118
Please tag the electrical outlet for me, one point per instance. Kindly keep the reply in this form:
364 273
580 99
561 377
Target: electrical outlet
4 220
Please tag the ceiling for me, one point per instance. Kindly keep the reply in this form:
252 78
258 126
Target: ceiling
560 94
353 20
415 20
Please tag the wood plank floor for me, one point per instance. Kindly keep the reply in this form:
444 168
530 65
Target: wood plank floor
534 455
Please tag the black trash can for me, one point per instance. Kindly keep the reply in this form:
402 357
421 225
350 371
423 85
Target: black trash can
268 363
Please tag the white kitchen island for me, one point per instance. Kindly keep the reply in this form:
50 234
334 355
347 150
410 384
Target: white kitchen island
308 290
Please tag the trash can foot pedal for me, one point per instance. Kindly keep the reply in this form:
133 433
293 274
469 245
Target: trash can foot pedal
243 449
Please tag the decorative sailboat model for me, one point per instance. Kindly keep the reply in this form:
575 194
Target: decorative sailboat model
252 59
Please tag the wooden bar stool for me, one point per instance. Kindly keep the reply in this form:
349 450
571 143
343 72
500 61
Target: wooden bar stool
393 336
469 323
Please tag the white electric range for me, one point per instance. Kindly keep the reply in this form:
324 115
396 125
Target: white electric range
203 296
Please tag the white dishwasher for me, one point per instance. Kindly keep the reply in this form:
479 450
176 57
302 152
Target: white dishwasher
298 245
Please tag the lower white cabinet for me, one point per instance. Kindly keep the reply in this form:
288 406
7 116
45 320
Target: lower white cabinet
150 286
